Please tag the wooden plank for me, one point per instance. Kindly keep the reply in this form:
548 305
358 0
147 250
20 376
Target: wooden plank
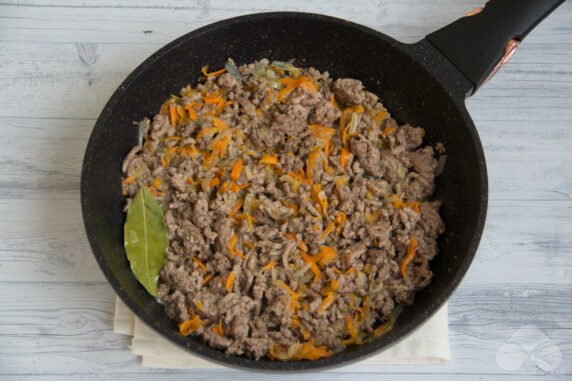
69 324
407 20
232 375
518 156
529 243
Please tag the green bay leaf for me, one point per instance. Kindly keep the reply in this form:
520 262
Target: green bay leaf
146 239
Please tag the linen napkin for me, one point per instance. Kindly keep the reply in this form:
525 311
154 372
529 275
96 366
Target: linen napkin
428 345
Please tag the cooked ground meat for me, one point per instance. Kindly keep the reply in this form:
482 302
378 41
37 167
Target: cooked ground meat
297 210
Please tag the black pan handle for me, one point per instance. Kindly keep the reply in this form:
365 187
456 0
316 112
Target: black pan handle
479 44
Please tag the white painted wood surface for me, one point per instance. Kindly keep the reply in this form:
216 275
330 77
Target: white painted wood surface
60 60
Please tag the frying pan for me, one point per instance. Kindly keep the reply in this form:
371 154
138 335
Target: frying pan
424 84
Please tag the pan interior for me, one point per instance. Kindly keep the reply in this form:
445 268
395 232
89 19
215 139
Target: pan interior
343 49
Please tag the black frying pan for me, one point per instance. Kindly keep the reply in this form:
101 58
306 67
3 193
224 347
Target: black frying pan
425 84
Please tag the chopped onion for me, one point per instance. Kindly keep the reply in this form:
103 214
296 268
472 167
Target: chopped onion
232 69
274 274
287 66
352 129
141 132
441 165
248 202
300 273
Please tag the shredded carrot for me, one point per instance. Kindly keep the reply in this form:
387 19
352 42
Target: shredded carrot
220 125
319 196
247 217
294 305
218 328
344 158
236 207
297 352
214 182
230 281
381 115
352 330
340 219
290 84
270 265
333 102
236 170
156 183
200 264
231 243
206 131
189 326
291 236
199 305
205 69
326 302
313 266
330 228
294 207
326 255
409 257
320 131
231 186
334 284
415 206
352 270
387 131
305 334
371 218
223 146
191 110
248 244
311 161
173 114
383 328
295 322
207 279
212 98
269 159
129 180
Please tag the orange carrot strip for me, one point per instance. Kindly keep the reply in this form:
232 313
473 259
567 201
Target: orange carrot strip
344 158
236 207
189 326
387 130
236 170
230 281
409 257
173 114
270 265
200 263
269 159
326 302
205 68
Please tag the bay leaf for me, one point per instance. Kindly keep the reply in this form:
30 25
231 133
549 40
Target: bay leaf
146 239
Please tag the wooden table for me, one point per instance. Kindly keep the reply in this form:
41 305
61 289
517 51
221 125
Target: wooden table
60 60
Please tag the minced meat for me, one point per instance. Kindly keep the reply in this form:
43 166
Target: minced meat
297 210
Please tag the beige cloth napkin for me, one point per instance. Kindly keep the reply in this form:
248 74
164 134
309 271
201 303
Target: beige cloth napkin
428 345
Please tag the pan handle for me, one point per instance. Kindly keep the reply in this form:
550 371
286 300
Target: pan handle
486 38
